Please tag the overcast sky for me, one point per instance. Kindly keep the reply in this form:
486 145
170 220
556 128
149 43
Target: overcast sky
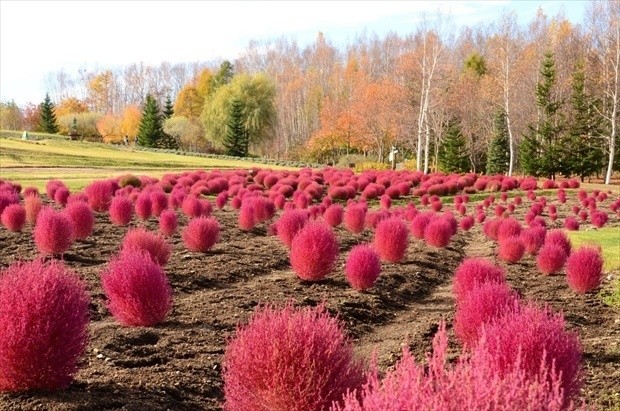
40 37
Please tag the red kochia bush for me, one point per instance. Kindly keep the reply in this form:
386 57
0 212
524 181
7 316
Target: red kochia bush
354 218
467 223
471 273
143 207
598 218
584 269
511 249
137 289
333 215
99 194
551 258
558 237
43 325
391 239
53 232
289 223
438 232
532 336
571 224
168 222
508 227
314 251
121 210
419 223
14 217
362 267
533 238
482 305
139 239
289 359
472 383
83 219
201 234
32 205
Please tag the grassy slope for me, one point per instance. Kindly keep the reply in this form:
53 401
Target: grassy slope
78 162
609 240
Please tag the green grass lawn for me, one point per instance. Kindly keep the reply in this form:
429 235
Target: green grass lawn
79 162
609 240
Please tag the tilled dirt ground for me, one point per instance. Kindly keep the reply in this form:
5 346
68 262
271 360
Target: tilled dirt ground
176 365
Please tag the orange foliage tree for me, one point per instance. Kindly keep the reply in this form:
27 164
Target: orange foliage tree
109 127
130 122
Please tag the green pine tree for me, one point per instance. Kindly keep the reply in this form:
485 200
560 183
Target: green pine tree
167 141
168 108
544 139
151 123
48 122
498 157
582 150
452 156
236 139
224 75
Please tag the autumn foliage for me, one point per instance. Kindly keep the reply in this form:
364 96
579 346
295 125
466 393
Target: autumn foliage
314 251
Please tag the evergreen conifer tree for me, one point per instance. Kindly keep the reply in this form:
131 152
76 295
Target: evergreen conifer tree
236 139
498 155
48 117
151 123
224 75
582 151
168 108
452 156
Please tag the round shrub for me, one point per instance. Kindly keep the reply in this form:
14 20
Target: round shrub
584 269
289 359
362 267
511 249
159 202
139 239
419 223
143 207
333 215
438 232
531 336
482 305
121 210
491 227
168 223
201 234
314 252
221 199
507 228
53 232
137 289
467 223
354 218
247 216
391 239
61 196
473 272
551 258
533 238
83 219
191 206
14 217
560 238
43 325
99 194
32 205
599 218
571 224
289 223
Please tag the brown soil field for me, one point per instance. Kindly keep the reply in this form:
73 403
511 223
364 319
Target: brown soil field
177 364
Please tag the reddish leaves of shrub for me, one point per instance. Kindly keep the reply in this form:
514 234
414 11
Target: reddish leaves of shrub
43 325
137 289
289 359
511 249
83 219
289 223
471 273
168 222
391 239
139 239
14 217
354 218
551 258
558 237
121 210
32 205
533 238
314 252
584 269
333 215
362 267
53 232
438 232
201 234
99 194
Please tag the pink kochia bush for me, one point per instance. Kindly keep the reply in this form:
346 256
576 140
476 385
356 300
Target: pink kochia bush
362 267
391 239
511 249
558 237
289 359
472 383
551 258
354 218
32 205
289 223
168 222
43 325
482 305
137 289
584 269
473 272
143 207
53 232
438 232
139 239
99 194
121 210
14 217
333 215
83 219
201 234
314 252
247 216
533 238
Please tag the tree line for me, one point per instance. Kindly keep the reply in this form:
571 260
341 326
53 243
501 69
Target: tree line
539 98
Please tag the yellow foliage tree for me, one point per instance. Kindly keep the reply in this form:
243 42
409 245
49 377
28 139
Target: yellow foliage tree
70 105
109 127
130 122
